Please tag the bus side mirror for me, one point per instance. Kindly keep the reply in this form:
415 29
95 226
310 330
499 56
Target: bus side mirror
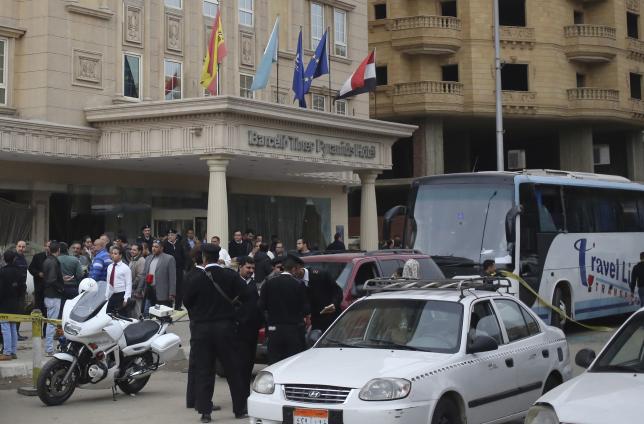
388 217
511 223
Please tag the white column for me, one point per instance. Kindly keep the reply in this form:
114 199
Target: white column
217 198
368 210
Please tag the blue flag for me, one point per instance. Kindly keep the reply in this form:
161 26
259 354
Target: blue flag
298 74
270 57
319 64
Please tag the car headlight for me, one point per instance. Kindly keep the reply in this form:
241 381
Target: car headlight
385 389
541 414
72 329
264 383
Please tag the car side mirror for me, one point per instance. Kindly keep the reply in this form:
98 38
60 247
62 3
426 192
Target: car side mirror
585 357
511 223
313 337
482 343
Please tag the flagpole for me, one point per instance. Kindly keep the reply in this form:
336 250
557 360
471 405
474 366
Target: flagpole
328 59
277 96
375 91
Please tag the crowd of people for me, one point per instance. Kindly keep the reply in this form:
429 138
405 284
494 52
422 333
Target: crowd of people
230 294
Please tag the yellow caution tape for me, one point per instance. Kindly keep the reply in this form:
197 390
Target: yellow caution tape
553 307
25 318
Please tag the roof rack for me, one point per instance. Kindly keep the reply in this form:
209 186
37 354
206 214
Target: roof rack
460 284
393 252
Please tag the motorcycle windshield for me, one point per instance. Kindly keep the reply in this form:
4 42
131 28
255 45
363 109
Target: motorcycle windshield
89 304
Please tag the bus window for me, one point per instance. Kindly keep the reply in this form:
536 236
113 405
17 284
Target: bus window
640 208
630 218
579 209
529 220
551 217
607 212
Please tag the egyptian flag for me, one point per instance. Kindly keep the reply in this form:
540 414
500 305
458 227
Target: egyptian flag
362 80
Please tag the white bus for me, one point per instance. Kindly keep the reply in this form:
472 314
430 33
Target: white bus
574 237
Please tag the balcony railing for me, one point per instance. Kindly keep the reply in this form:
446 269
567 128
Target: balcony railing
428 87
412 22
601 31
635 48
593 94
426 34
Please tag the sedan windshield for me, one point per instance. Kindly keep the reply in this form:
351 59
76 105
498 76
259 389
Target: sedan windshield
398 324
625 353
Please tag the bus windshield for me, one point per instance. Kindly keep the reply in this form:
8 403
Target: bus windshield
453 220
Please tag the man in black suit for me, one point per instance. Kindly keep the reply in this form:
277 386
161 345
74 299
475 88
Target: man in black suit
238 247
36 270
285 300
210 297
249 320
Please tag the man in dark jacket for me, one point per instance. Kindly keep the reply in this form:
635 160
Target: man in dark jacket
325 298
249 320
262 262
637 278
337 243
54 292
212 331
21 263
238 247
36 270
286 303
176 249
12 288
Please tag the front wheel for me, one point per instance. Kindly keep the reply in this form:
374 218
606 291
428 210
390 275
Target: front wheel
132 386
50 387
446 412
560 299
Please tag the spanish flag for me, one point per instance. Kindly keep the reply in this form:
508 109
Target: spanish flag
214 56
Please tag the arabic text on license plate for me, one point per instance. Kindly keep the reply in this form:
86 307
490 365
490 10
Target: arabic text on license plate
310 416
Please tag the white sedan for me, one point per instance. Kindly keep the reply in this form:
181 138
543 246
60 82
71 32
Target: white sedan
609 391
439 356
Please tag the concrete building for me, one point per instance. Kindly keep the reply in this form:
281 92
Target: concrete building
571 79
105 127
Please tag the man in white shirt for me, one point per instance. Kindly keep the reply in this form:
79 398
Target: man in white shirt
224 257
119 279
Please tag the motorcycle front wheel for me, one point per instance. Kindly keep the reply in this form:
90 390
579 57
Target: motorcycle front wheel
50 387
131 386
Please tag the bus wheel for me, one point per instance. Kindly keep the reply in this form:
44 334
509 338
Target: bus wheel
560 299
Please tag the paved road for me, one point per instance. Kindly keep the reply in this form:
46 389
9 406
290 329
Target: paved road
163 399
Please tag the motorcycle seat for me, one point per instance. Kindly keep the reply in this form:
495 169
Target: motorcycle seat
140 332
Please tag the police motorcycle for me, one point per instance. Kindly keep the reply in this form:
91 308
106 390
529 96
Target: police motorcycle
102 350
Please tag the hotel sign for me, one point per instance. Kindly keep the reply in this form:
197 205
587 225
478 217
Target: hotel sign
317 147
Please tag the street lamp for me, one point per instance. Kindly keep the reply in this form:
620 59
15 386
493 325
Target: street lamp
500 166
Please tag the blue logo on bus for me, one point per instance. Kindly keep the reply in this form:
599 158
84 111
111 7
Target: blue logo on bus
580 246
606 271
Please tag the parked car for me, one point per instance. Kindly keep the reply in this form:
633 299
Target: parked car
608 391
449 352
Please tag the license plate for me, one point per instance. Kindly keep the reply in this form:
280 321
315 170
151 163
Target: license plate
310 416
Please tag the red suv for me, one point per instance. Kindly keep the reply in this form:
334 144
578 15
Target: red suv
351 270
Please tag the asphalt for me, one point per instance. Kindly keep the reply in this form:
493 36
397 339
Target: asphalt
163 399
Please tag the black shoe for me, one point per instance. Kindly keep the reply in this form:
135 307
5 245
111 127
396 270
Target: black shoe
22 338
242 415
216 408
206 418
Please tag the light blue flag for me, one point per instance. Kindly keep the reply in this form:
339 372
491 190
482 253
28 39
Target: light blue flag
270 57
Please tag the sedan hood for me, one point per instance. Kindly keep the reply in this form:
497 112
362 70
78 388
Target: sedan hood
347 367
598 398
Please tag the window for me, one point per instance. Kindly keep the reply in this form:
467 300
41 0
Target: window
512 12
245 82
579 209
367 271
636 86
173 77
533 327
448 8
450 73
317 23
578 17
318 102
175 4
210 8
514 77
380 11
3 71
512 318
429 269
632 25
341 107
551 216
601 154
132 75
391 267
581 80
340 32
246 12
483 322
381 75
